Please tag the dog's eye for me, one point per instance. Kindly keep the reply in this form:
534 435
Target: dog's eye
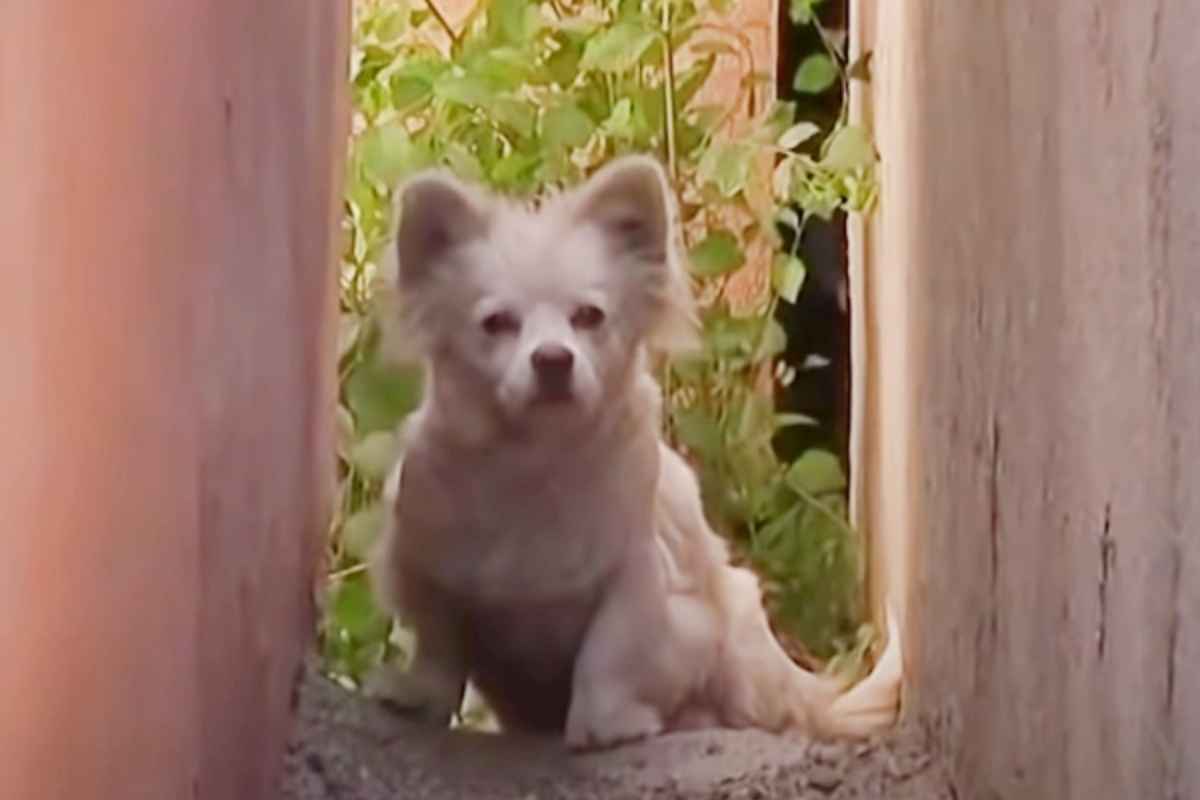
500 322
587 317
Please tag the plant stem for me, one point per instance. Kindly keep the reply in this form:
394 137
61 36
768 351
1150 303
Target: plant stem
348 572
669 89
443 22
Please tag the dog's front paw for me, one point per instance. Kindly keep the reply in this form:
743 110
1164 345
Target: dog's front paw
598 728
417 696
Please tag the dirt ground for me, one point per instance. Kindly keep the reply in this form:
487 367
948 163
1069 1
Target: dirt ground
345 747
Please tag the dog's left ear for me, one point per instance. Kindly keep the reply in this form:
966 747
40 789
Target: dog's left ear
438 214
632 203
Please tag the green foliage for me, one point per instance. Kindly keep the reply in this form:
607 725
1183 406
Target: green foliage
533 94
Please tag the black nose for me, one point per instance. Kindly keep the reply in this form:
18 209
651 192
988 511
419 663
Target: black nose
552 360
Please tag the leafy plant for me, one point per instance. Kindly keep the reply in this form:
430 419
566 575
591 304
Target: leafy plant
533 94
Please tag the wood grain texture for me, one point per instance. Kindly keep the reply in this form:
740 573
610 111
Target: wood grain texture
1043 205
168 201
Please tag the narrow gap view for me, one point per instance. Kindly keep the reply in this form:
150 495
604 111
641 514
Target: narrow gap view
530 96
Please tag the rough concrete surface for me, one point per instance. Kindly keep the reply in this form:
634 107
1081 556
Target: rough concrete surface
346 747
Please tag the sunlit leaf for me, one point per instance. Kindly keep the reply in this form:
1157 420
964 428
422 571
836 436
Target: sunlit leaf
361 531
798 134
464 90
849 148
380 396
787 276
566 125
700 432
385 153
815 74
817 472
353 609
619 48
376 454
719 254
508 20
727 167
803 12
620 123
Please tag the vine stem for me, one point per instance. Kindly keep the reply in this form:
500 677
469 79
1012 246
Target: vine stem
443 22
669 89
348 572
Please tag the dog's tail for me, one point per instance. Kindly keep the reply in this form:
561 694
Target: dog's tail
754 682
873 704
760 686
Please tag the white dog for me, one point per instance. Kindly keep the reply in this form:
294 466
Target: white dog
545 543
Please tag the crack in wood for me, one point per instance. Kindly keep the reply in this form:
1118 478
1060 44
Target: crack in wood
1108 551
994 524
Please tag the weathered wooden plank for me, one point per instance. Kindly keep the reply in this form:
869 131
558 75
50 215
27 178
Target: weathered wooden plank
168 201
1042 211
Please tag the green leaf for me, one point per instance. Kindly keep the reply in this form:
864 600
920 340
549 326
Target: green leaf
775 122
816 74
391 25
518 115
798 134
566 125
756 422
787 276
648 112
788 217
849 148
773 342
376 454
361 531
803 12
726 167
464 90
508 20
816 472
689 82
719 254
730 338
463 162
381 396
619 48
699 431
515 171
563 65
503 69
385 153
353 609
374 59
412 84
408 91
794 420
620 122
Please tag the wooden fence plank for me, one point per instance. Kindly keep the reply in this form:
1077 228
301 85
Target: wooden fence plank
168 185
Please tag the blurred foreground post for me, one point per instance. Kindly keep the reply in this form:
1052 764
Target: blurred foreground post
168 199
1032 427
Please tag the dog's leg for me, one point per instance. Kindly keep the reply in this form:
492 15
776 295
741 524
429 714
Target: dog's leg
432 688
621 680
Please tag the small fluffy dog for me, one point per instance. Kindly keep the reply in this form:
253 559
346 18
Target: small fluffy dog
545 543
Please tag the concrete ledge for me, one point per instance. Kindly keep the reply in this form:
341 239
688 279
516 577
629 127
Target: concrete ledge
346 747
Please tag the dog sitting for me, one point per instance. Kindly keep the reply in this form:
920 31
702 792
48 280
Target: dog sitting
543 540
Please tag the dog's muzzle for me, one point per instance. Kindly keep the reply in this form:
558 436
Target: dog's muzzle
553 366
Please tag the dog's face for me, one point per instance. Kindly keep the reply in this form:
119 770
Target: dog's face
543 311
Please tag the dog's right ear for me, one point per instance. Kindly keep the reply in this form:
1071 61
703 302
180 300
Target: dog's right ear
438 215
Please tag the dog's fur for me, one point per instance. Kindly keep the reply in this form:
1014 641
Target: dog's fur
545 543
